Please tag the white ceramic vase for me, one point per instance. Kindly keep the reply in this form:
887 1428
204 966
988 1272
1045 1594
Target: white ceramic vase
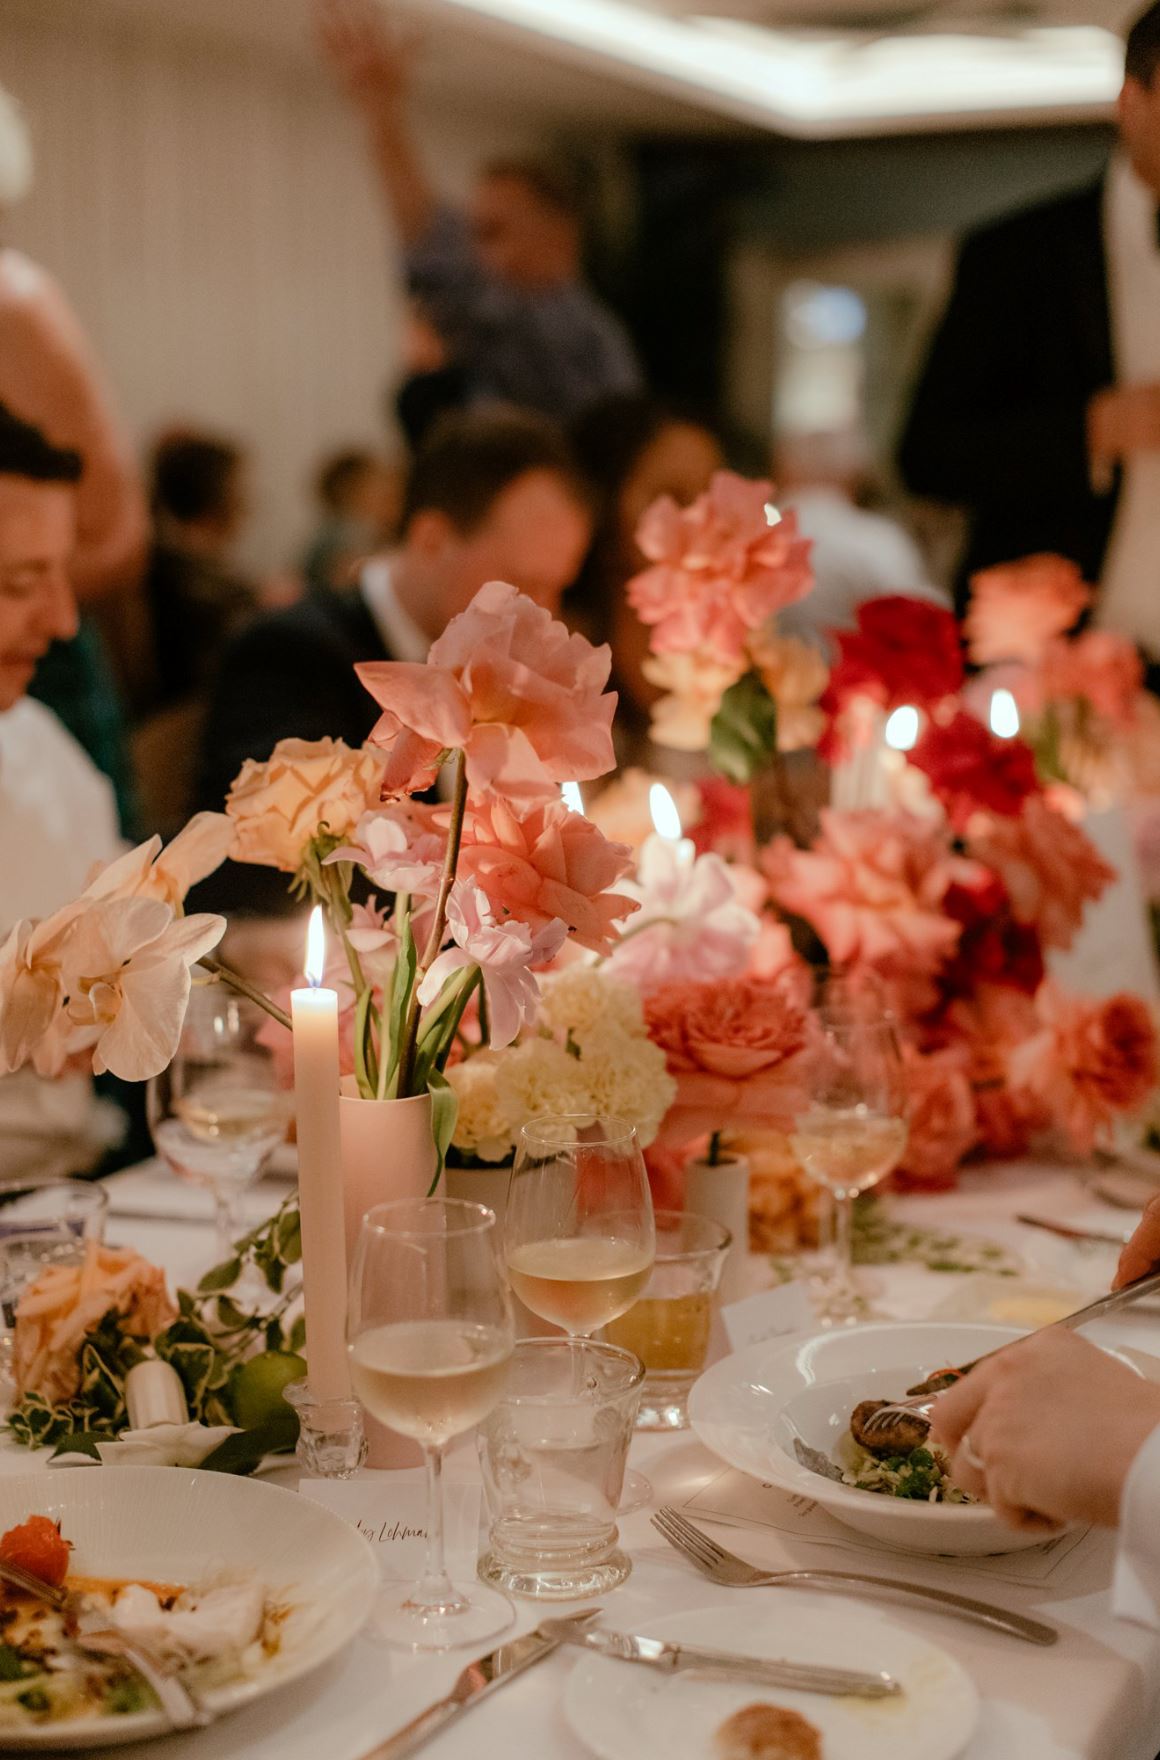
721 1192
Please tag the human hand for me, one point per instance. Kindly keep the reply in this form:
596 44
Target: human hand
1142 1252
370 54
1056 1424
1123 420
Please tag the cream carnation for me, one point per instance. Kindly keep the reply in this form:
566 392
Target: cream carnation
483 1128
580 998
540 1078
625 1077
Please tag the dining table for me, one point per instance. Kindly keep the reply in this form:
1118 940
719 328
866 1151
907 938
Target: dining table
1095 1695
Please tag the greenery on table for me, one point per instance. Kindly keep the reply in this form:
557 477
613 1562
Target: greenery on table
232 1357
881 1239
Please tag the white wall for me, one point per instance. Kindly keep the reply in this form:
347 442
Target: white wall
210 213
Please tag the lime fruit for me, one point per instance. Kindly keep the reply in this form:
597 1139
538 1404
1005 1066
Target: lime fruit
256 1387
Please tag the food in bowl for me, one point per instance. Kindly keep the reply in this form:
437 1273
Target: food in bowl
767 1732
215 1634
922 1474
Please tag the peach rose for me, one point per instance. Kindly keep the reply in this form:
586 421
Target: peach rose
1050 867
543 862
942 1124
694 685
733 1048
305 786
509 686
795 674
1016 609
1088 1061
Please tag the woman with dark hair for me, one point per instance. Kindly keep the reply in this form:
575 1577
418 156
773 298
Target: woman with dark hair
632 450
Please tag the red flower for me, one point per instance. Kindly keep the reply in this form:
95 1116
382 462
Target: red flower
971 770
993 948
903 651
726 823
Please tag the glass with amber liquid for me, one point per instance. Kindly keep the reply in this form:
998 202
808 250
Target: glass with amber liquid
669 1327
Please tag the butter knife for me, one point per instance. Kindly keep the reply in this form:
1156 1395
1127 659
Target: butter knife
476 1682
1068 1232
804 1677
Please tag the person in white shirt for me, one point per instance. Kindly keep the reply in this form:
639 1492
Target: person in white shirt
57 812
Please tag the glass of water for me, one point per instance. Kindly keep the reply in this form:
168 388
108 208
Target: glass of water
23 1257
553 1452
217 1112
81 1205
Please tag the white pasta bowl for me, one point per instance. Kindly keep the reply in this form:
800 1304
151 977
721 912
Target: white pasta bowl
168 1525
751 1408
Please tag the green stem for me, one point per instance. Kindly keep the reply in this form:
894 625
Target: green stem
245 988
715 1149
438 926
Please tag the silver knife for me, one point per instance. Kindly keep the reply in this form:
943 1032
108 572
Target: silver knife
475 1682
1069 1233
805 1677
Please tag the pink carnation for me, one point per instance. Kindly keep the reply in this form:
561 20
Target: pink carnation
542 862
509 686
721 568
1088 1061
942 1122
988 1027
1017 608
733 1048
1051 869
1103 668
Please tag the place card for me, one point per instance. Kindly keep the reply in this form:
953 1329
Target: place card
391 1510
772 1313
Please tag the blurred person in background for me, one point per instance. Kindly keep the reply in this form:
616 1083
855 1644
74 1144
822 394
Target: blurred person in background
197 599
632 450
58 814
50 374
1039 407
358 496
493 495
502 285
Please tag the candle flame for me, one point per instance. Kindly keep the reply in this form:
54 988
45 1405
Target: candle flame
665 816
901 730
1004 714
573 799
315 948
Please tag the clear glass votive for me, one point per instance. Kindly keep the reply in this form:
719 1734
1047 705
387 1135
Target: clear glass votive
23 1258
28 1207
669 1327
553 1453
332 1441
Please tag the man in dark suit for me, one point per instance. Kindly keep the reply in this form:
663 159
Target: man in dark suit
1041 396
492 496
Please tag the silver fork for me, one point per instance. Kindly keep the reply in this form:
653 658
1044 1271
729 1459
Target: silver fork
731 1572
90 1633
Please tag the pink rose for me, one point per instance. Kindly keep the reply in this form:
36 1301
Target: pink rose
542 862
1088 1061
1051 868
1016 609
721 568
509 686
1099 666
942 1124
733 1049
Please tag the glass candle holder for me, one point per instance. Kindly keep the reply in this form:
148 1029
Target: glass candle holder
28 1207
332 1440
669 1327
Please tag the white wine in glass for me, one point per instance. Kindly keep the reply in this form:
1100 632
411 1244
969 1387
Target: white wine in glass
579 1284
429 1336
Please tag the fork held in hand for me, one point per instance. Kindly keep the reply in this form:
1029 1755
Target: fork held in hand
731 1572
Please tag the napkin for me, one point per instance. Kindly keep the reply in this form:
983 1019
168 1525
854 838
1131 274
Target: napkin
162 1445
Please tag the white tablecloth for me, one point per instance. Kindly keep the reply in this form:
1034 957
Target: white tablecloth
1094 1696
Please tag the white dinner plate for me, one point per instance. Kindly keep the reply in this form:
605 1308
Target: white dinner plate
167 1524
751 1408
621 1711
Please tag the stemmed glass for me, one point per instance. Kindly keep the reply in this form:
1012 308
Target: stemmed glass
850 1130
579 1232
218 1111
429 1335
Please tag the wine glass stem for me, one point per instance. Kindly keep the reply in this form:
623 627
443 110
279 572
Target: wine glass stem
843 1260
434 1589
227 1202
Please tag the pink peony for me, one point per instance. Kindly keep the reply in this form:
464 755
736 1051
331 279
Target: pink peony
504 953
942 1122
1051 868
1099 666
733 1048
691 925
397 847
1088 1061
1017 608
542 862
721 568
508 685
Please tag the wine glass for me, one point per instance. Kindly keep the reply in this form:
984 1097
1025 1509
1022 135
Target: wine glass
429 1336
850 1130
218 1111
579 1232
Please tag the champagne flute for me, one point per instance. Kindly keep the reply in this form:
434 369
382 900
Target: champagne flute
850 1131
218 1111
429 1337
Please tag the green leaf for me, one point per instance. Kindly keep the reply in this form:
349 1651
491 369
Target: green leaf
743 733
248 1448
297 1340
402 984
444 1110
78 1442
12 1665
195 1364
221 1277
288 1235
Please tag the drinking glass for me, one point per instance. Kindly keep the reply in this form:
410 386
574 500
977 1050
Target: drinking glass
27 1207
22 1259
668 1328
553 1452
429 1335
218 1111
850 1131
